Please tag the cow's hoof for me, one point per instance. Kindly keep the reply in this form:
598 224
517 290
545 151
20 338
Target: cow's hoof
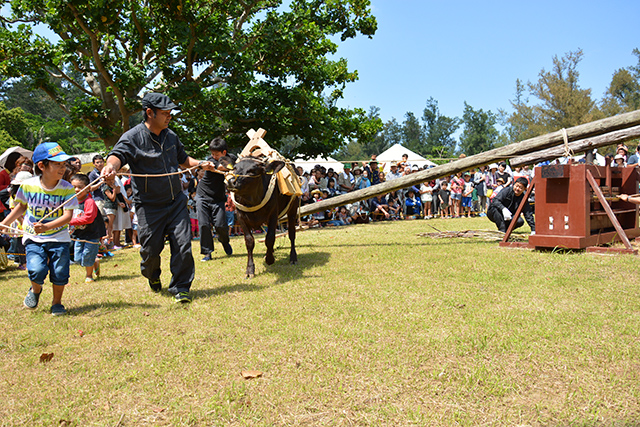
249 276
269 259
293 261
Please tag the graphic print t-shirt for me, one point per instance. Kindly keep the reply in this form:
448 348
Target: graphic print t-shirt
40 203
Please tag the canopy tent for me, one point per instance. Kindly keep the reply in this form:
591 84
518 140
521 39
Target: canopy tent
394 154
327 162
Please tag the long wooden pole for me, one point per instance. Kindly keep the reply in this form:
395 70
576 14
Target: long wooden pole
578 147
538 143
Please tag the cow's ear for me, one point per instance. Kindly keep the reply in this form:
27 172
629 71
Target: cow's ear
274 166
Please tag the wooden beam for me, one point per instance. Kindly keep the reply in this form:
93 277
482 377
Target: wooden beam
538 143
578 147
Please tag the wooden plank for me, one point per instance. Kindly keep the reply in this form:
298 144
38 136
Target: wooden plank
578 147
530 145
607 208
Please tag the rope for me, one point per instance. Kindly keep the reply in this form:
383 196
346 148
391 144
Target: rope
17 232
568 152
267 196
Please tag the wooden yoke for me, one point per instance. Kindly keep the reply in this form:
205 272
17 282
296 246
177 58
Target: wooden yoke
288 180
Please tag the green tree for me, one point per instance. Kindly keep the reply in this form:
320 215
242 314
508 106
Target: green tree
413 136
479 132
438 131
231 65
623 94
561 103
16 128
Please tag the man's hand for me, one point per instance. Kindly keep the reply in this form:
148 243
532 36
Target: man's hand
624 197
506 213
208 166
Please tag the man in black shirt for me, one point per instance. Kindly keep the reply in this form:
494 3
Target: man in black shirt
154 150
210 203
505 205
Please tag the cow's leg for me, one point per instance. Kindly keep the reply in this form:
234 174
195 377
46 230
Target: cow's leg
292 219
270 239
249 242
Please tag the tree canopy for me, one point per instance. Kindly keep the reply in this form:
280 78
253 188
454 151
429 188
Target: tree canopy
230 65
561 102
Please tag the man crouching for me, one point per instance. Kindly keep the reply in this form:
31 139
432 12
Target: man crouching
505 205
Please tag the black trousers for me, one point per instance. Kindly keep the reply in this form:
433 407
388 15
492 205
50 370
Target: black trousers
495 216
211 215
155 222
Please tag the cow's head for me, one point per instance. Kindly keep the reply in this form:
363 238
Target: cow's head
248 174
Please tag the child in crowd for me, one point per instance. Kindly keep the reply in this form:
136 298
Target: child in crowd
230 212
17 224
46 240
193 215
426 195
443 198
89 228
466 195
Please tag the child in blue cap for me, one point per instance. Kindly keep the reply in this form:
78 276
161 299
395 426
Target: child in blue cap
46 240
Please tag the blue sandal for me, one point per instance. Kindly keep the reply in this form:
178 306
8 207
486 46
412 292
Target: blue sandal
32 299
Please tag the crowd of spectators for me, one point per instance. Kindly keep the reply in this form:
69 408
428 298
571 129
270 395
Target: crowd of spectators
462 194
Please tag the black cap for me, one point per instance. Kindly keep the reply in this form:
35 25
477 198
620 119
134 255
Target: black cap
159 101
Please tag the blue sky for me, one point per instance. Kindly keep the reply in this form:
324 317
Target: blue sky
473 51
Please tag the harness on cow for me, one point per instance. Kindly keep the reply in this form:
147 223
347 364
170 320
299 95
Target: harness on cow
287 179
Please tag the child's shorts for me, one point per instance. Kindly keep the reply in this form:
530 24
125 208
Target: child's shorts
194 225
456 196
466 202
85 253
48 258
230 218
444 206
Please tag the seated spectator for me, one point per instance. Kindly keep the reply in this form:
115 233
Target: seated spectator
379 208
395 207
412 205
331 189
500 185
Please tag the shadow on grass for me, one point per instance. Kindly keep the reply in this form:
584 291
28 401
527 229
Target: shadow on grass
109 306
226 289
284 271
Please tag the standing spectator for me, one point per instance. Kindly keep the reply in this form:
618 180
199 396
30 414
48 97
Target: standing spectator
364 180
393 172
97 195
372 171
426 194
504 174
480 179
443 197
230 211
193 215
467 194
346 181
457 185
9 166
633 159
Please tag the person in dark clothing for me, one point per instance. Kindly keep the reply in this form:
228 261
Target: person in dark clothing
152 149
210 203
505 204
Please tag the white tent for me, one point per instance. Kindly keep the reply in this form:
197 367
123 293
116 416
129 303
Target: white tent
327 162
394 154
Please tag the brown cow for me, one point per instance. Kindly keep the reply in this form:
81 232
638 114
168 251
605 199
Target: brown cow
259 201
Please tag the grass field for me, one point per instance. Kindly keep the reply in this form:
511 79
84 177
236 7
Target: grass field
375 326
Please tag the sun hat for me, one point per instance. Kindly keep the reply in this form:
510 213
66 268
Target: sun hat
21 177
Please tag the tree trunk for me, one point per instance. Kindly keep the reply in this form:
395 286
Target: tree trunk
578 147
538 143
